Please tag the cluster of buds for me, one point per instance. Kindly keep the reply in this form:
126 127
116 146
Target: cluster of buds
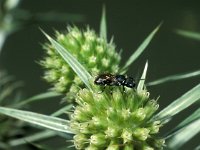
115 120
93 52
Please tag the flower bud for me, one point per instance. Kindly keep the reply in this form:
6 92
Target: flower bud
112 132
98 139
146 147
79 140
127 136
113 147
141 133
154 127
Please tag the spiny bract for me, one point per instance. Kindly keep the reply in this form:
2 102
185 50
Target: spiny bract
117 120
93 52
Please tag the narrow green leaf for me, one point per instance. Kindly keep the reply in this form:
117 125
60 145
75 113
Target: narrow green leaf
39 146
38 137
11 4
3 36
103 26
197 148
179 104
3 145
188 34
62 110
142 79
174 78
140 49
184 135
72 61
41 96
8 90
188 120
48 122
35 137
5 79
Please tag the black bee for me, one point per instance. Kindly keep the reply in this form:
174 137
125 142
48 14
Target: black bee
108 79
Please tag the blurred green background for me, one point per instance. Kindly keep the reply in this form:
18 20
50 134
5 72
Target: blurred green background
129 22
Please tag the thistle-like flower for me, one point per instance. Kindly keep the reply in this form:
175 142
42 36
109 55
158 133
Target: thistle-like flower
93 52
115 120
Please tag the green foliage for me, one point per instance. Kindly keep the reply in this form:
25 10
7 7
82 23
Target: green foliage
184 135
34 137
189 34
10 94
140 49
174 78
38 119
180 104
195 116
103 26
113 119
13 18
35 98
140 86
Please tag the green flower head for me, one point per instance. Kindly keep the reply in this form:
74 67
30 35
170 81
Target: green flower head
93 52
115 120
